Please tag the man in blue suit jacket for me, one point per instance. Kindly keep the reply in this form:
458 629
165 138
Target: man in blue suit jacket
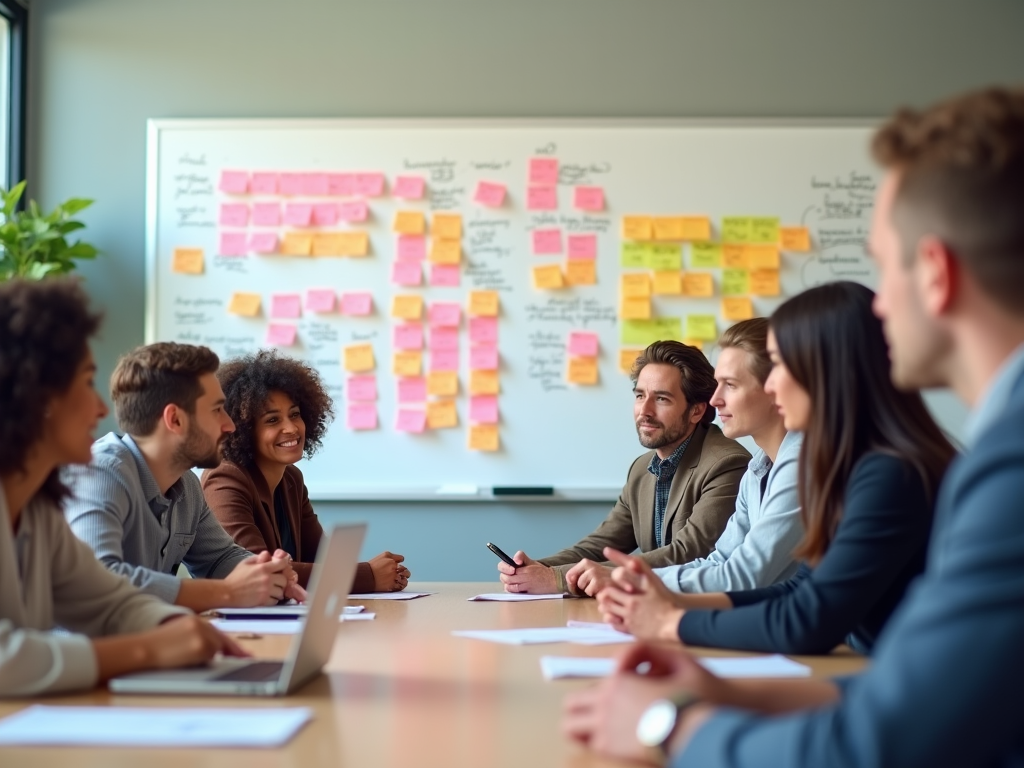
948 673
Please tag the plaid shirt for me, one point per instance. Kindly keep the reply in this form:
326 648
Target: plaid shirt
664 471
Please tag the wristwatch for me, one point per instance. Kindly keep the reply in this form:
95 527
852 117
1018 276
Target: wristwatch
659 720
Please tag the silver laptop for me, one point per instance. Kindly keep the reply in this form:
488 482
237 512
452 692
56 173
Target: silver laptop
329 586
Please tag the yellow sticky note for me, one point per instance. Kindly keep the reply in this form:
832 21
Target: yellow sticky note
407 306
735 282
795 239
637 308
696 227
189 261
705 255
407 363
354 243
244 304
547 277
637 227
359 358
668 227
483 437
635 284
765 282
445 251
328 244
737 308
483 303
764 229
626 359
763 256
410 223
698 284
441 414
700 327
483 382
443 383
297 244
735 256
736 229
582 370
447 226
665 257
669 283
581 272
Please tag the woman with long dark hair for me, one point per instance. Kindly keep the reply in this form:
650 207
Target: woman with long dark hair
870 467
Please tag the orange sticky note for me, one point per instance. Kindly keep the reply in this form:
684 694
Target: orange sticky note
188 261
669 283
447 226
328 244
442 414
763 256
354 243
694 343
582 370
764 282
359 358
668 228
410 223
795 239
737 308
635 284
698 284
483 382
483 437
244 304
483 303
636 308
735 256
547 277
636 227
696 227
627 357
581 272
445 251
407 306
443 383
407 363
297 244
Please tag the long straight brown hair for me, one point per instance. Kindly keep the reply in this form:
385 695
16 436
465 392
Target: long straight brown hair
834 348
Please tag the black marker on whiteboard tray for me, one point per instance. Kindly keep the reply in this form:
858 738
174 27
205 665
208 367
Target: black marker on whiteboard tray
523 490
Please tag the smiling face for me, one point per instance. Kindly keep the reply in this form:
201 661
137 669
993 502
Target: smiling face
280 432
743 406
792 400
72 417
663 416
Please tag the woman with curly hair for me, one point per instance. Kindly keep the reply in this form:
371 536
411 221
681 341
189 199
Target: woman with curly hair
281 411
48 578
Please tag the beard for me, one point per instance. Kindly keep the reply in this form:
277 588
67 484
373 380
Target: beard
666 435
199 450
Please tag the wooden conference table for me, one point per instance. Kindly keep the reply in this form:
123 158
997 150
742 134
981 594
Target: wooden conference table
401 691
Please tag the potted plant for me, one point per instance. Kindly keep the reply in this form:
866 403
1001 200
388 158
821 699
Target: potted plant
35 245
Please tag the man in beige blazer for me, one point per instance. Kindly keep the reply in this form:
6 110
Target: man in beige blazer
678 496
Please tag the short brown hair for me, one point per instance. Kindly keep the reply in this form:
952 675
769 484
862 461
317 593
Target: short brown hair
752 337
696 376
149 378
961 179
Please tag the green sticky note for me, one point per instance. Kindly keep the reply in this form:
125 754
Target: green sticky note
764 229
735 282
640 333
665 257
706 255
634 255
736 229
701 327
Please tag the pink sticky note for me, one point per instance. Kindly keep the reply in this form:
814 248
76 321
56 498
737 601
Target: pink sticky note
362 416
298 214
544 170
233 244
286 305
370 184
483 357
412 389
362 388
356 303
588 198
234 215
234 182
264 184
444 313
444 360
408 187
444 275
483 330
320 300
290 183
407 336
444 339
547 242
280 335
357 210
314 183
266 214
263 242
582 344
412 248
411 420
325 214
542 199
341 184
582 246
483 409
490 194
406 272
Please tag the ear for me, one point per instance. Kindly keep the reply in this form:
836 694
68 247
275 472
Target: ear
938 275
174 419
697 412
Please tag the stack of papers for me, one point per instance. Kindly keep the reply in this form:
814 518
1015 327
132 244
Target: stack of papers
581 632
512 597
263 625
389 595
557 667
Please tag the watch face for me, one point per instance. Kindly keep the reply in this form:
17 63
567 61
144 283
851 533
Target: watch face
656 723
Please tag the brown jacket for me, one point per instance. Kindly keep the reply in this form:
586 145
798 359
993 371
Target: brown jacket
701 500
244 505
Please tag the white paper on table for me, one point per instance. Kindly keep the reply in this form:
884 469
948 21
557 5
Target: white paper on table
153 727
259 626
368 616
390 595
293 610
512 597
755 666
539 635
348 610
556 667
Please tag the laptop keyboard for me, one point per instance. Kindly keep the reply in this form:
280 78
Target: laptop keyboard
257 672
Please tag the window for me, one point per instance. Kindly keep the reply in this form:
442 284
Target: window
13 18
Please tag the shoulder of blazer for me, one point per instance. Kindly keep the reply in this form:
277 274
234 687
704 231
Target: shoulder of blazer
294 485
638 469
230 475
717 446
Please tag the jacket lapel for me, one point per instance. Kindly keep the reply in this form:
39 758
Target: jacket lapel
266 508
688 463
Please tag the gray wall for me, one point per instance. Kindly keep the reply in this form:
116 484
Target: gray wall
100 68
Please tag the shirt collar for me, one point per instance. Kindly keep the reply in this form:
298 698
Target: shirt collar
657 466
996 397
149 487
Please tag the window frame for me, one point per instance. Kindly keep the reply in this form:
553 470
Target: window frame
16 13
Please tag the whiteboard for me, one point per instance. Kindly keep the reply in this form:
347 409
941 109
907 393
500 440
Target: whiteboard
576 440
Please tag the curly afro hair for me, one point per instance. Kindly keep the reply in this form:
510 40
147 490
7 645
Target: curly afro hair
248 382
44 336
